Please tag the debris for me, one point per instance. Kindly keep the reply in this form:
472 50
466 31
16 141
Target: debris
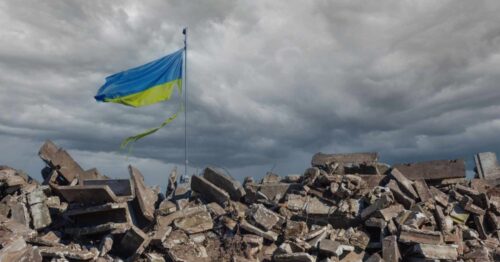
145 196
422 190
411 235
433 170
390 249
345 207
405 183
225 182
263 217
209 191
196 223
331 162
67 252
487 166
330 247
269 235
39 209
448 252
121 188
132 244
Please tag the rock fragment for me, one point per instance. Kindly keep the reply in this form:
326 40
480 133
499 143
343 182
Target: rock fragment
225 182
209 191
145 196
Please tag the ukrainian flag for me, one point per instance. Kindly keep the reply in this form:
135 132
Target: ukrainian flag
146 84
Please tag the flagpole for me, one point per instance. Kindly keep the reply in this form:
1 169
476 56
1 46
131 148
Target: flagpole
184 31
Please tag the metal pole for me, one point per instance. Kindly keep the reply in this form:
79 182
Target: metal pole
184 31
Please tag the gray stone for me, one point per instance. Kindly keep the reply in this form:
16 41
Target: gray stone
209 191
390 249
433 170
269 235
333 248
487 165
145 196
195 223
225 182
448 252
122 188
316 207
263 217
132 244
381 203
404 183
40 215
67 252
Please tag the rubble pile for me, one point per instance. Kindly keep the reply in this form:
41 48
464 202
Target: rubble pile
345 207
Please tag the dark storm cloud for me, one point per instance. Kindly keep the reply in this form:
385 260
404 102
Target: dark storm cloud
270 82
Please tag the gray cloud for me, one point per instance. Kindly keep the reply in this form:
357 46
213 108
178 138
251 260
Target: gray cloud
270 83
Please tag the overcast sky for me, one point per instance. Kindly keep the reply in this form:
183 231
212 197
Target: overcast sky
270 82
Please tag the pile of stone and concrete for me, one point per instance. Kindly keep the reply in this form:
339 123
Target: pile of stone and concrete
346 207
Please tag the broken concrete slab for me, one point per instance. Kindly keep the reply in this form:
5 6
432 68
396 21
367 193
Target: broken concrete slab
19 213
196 223
132 244
295 229
263 217
196 253
160 235
487 166
390 249
389 212
166 207
216 209
467 205
333 248
433 170
13 248
399 195
88 195
209 191
361 163
11 180
315 207
375 257
381 203
40 215
91 217
269 235
225 182
164 221
412 235
155 257
67 252
122 188
440 197
422 190
404 183
448 252
276 191
145 196
321 159
58 159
